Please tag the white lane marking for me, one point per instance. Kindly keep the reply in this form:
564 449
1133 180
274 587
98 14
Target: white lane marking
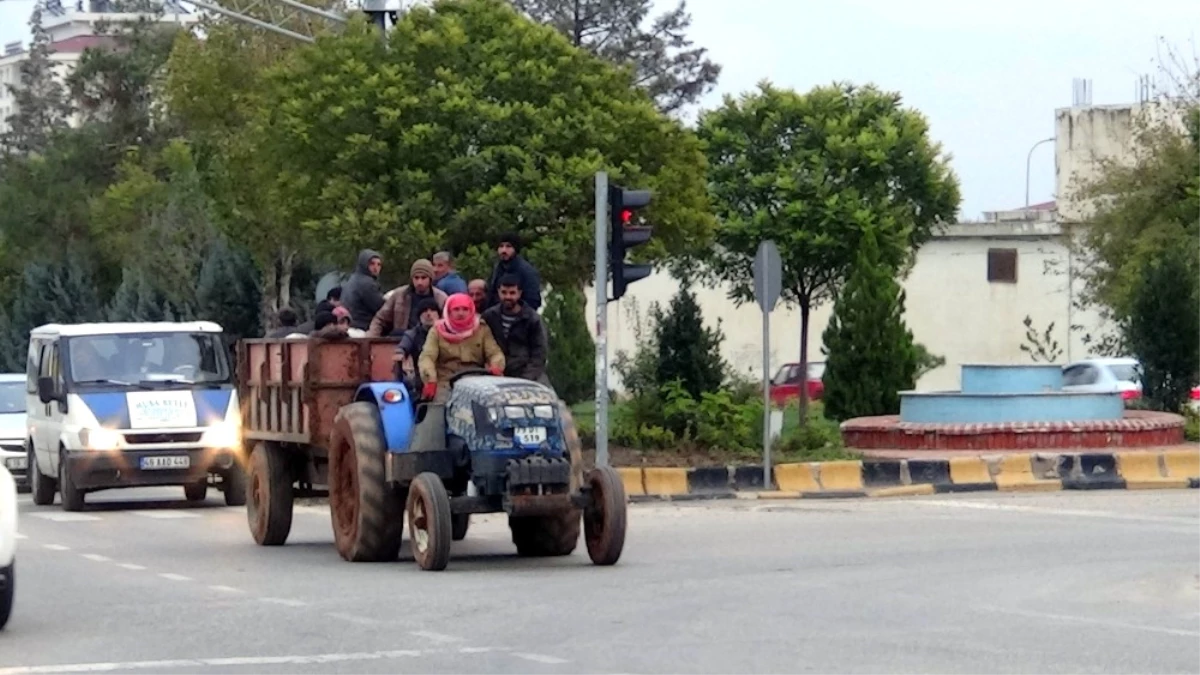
21 536
63 516
96 557
131 566
297 659
992 506
540 658
174 577
435 637
56 547
165 514
482 650
226 589
361 620
287 602
1098 622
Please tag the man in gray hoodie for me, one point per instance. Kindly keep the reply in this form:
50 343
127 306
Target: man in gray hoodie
361 294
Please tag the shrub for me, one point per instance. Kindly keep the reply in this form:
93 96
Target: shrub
688 352
1164 327
1191 427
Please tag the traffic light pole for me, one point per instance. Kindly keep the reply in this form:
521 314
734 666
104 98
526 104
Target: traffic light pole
601 318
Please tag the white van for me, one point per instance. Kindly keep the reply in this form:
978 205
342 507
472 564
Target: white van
114 405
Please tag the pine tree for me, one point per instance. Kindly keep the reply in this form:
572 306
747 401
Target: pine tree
571 361
40 99
687 350
1164 327
870 355
49 293
229 293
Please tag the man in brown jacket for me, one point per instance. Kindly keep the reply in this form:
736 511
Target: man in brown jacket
397 315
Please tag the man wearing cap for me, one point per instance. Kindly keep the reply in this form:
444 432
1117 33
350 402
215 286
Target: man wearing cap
398 313
511 261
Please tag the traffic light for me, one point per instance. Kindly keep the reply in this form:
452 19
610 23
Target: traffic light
625 233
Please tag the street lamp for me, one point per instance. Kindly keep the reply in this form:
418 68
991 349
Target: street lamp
1028 158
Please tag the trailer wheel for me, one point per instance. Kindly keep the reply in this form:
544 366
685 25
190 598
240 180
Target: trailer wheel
234 485
429 525
459 524
604 519
368 515
545 536
270 493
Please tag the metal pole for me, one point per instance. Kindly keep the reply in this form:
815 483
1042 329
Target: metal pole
1027 161
768 484
601 318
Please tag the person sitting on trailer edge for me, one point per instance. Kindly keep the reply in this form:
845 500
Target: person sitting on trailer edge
458 342
331 327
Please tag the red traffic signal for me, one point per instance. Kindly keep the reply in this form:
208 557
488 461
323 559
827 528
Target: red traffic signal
626 216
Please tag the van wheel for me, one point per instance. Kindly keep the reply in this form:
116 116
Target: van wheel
43 486
72 497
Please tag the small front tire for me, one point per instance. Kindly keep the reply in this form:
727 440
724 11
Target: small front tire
429 522
604 518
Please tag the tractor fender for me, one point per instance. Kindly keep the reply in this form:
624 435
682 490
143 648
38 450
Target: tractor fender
397 416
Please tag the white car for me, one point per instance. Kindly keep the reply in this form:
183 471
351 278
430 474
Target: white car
8 543
12 427
1105 375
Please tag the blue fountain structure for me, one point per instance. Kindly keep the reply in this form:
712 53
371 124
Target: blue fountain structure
1009 393
1012 408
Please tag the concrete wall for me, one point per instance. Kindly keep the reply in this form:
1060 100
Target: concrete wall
951 306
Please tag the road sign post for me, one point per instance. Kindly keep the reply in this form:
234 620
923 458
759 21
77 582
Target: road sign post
768 285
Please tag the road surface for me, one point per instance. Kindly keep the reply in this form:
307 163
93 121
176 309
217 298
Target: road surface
1063 582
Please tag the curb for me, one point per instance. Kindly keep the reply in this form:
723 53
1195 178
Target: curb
1172 469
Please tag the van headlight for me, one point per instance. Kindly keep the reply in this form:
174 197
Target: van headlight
100 439
222 435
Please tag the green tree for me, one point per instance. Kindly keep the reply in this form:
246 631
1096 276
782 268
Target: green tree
666 63
49 292
870 355
688 351
39 98
812 172
467 121
571 362
229 292
1164 327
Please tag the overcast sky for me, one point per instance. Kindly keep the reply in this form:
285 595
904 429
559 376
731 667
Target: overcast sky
988 75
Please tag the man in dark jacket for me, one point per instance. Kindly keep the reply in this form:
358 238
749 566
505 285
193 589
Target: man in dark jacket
518 330
287 323
408 352
511 262
360 293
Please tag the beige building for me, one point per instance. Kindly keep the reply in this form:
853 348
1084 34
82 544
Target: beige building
72 29
971 287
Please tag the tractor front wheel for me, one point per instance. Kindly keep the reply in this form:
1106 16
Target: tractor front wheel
429 521
604 518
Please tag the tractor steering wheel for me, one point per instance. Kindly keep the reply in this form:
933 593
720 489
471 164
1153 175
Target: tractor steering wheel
469 372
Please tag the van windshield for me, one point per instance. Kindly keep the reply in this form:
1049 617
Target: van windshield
12 397
148 359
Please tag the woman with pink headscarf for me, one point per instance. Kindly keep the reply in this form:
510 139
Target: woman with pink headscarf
458 342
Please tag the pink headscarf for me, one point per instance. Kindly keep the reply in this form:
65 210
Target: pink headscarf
453 331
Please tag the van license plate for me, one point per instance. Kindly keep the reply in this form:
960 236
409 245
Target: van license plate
167 462
530 435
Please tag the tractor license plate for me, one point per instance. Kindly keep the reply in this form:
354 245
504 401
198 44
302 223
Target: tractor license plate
530 435
166 462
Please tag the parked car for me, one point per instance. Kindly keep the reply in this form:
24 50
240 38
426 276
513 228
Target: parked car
8 543
785 386
1105 375
12 427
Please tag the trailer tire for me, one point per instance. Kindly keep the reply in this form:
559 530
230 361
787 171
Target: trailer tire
234 485
269 488
367 514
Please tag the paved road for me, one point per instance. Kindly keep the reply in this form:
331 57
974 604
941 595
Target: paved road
1067 582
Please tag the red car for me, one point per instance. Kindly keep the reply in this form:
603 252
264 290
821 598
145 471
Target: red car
785 386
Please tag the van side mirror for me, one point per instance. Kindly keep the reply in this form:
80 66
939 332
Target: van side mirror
45 390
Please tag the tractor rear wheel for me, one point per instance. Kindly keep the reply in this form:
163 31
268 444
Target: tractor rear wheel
367 514
269 488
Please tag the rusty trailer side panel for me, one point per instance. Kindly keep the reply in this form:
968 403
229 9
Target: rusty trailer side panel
290 390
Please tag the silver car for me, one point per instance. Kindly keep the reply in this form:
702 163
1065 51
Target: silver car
12 428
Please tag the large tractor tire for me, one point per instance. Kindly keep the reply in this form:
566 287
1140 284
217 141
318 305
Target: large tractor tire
429 522
368 516
271 496
557 535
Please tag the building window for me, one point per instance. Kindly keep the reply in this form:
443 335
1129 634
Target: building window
1002 265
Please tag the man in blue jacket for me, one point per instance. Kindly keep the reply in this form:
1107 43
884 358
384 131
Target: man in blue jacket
511 262
445 278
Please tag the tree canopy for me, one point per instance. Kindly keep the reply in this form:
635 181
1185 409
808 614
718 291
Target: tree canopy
812 172
466 122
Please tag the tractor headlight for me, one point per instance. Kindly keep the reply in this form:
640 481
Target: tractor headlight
100 439
222 435
515 411
544 411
